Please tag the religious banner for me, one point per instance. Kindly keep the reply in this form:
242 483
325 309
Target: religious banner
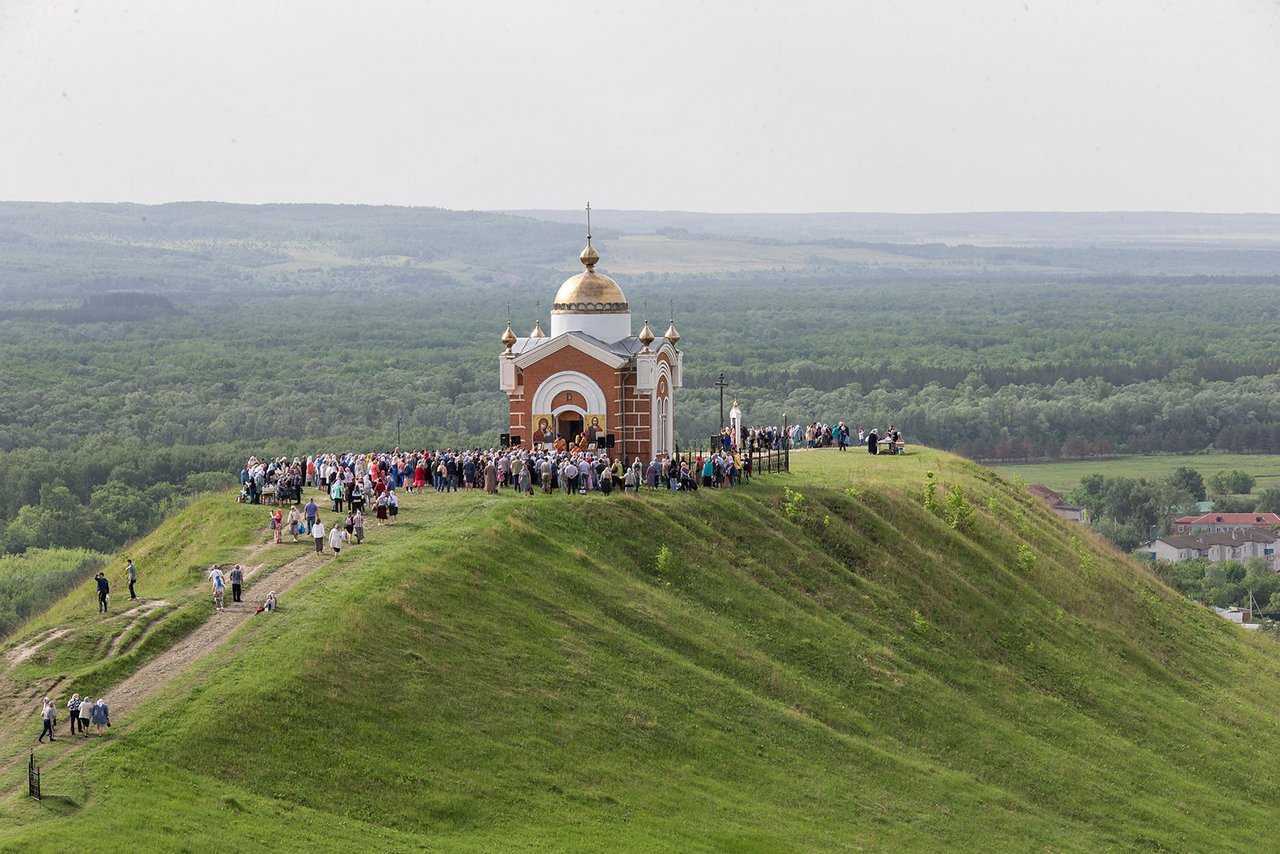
597 427
543 434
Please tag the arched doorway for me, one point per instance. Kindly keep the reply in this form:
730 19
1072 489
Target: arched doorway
568 425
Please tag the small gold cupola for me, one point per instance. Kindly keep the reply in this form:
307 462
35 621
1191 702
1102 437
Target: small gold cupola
671 334
646 336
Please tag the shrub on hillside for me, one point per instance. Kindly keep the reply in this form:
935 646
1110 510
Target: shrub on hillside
930 492
664 562
959 510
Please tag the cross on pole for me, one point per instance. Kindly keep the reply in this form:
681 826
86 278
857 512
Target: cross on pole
720 384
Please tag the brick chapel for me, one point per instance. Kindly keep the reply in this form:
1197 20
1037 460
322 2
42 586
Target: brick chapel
591 383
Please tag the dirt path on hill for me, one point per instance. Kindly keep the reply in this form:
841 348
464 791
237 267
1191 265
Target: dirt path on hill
159 672
162 669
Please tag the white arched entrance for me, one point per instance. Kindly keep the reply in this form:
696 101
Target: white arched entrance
570 418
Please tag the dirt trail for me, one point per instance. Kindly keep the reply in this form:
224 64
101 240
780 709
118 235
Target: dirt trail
158 672
162 670
22 652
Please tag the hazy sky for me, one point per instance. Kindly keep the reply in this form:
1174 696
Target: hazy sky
722 106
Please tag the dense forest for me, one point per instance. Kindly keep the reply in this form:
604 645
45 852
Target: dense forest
145 350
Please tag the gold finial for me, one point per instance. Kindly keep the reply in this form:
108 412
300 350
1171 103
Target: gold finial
671 334
646 336
589 257
509 337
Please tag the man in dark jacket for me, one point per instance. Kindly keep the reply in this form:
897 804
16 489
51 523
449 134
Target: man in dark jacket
104 590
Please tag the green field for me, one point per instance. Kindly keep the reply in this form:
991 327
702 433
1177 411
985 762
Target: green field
832 667
1065 476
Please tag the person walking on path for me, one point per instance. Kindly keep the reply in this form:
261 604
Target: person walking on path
357 526
312 512
237 579
277 525
48 719
219 586
73 709
295 520
101 714
85 710
104 591
337 537
317 534
131 575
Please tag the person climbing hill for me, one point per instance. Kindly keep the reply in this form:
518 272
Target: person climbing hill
104 592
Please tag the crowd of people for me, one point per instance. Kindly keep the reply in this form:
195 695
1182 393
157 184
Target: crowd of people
820 435
83 711
356 482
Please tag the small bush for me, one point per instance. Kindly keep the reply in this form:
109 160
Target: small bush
918 622
793 503
1026 558
930 492
959 510
665 560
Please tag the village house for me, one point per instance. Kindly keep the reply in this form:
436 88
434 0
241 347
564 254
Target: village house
1240 545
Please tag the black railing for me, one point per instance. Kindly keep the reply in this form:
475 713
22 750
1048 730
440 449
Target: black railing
33 777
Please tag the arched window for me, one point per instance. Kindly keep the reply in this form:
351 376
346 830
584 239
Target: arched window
662 423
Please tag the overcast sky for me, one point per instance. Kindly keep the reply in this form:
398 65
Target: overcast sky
891 105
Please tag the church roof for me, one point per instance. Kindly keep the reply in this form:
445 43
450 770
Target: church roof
624 349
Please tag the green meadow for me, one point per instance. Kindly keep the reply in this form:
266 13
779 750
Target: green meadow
1065 476
823 660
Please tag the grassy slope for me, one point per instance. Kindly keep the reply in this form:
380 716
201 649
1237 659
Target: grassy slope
500 672
171 564
1065 476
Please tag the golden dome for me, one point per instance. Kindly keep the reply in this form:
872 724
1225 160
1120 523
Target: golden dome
589 291
537 330
509 336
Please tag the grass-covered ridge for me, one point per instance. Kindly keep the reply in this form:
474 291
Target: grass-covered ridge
832 668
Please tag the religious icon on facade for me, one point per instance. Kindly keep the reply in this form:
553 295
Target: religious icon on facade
543 434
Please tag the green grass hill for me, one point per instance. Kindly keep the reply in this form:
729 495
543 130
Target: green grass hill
817 661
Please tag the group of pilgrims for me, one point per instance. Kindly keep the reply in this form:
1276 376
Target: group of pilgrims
356 482
820 435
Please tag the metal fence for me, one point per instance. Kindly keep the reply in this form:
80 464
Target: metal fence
33 777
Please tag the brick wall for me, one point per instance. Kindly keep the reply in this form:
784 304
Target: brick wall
629 413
